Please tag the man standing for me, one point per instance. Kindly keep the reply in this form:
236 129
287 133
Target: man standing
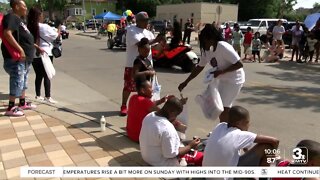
133 37
188 28
16 33
278 31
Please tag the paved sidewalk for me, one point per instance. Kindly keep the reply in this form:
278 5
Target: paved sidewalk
38 139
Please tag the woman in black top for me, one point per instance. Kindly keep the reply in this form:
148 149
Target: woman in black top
142 66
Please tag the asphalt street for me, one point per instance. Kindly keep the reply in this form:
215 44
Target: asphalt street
283 98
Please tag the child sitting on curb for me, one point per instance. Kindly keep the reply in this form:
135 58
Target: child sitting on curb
140 105
227 139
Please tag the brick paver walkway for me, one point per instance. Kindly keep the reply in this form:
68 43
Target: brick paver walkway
39 140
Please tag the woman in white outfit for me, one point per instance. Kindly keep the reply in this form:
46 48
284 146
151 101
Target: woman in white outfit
221 55
43 35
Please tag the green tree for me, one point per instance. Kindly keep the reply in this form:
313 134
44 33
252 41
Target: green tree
48 5
316 6
285 7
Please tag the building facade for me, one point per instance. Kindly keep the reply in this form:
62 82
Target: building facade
92 7
198 12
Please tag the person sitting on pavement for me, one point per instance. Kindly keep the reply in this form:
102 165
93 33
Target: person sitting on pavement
227 139
313 151
275 52
142 65
159 140
139 106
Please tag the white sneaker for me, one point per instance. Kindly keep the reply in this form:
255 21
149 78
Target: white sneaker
50 100
39 98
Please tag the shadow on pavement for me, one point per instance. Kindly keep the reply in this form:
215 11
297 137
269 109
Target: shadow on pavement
133 159
284 97
96 115
299 72
129 154
174 70
114 50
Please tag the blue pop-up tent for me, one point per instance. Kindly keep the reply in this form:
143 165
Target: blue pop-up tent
108 16
311 20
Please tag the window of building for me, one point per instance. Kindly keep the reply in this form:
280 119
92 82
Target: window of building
77 11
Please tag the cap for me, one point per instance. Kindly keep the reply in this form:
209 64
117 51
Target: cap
142 16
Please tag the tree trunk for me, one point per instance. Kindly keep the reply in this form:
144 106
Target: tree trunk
50 9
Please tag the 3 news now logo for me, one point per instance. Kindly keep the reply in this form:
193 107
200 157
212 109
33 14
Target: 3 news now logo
300 155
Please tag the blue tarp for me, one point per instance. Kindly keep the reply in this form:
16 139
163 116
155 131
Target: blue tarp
311 20
108 16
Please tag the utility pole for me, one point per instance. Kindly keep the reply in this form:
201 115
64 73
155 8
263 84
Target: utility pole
84 15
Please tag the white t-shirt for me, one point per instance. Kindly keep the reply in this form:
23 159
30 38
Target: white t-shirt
63 28
134 35
223 57
224 145
159 141
49 34
276 30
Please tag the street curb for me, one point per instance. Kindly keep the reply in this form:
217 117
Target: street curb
88 35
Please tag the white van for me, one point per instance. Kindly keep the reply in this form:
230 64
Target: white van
260 25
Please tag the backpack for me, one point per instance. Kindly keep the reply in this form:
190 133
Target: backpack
15 54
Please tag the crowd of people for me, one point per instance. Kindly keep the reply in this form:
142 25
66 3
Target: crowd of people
304 43
31 40
156 128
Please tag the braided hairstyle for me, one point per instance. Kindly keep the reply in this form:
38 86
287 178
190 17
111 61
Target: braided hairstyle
209 32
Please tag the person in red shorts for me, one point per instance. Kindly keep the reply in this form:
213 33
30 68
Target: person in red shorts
139 106
313 148
133 37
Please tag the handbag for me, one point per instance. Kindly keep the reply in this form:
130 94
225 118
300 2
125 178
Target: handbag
56 50
48 66
14 53
210 101
156 89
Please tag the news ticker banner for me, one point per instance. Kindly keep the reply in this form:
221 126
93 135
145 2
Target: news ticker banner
167 172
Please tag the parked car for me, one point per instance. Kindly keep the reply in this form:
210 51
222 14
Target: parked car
158 25
93 23
260 25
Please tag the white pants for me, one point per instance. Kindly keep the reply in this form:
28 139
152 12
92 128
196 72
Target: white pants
228 92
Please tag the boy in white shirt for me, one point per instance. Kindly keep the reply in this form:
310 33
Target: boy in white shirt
226 141
159 140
